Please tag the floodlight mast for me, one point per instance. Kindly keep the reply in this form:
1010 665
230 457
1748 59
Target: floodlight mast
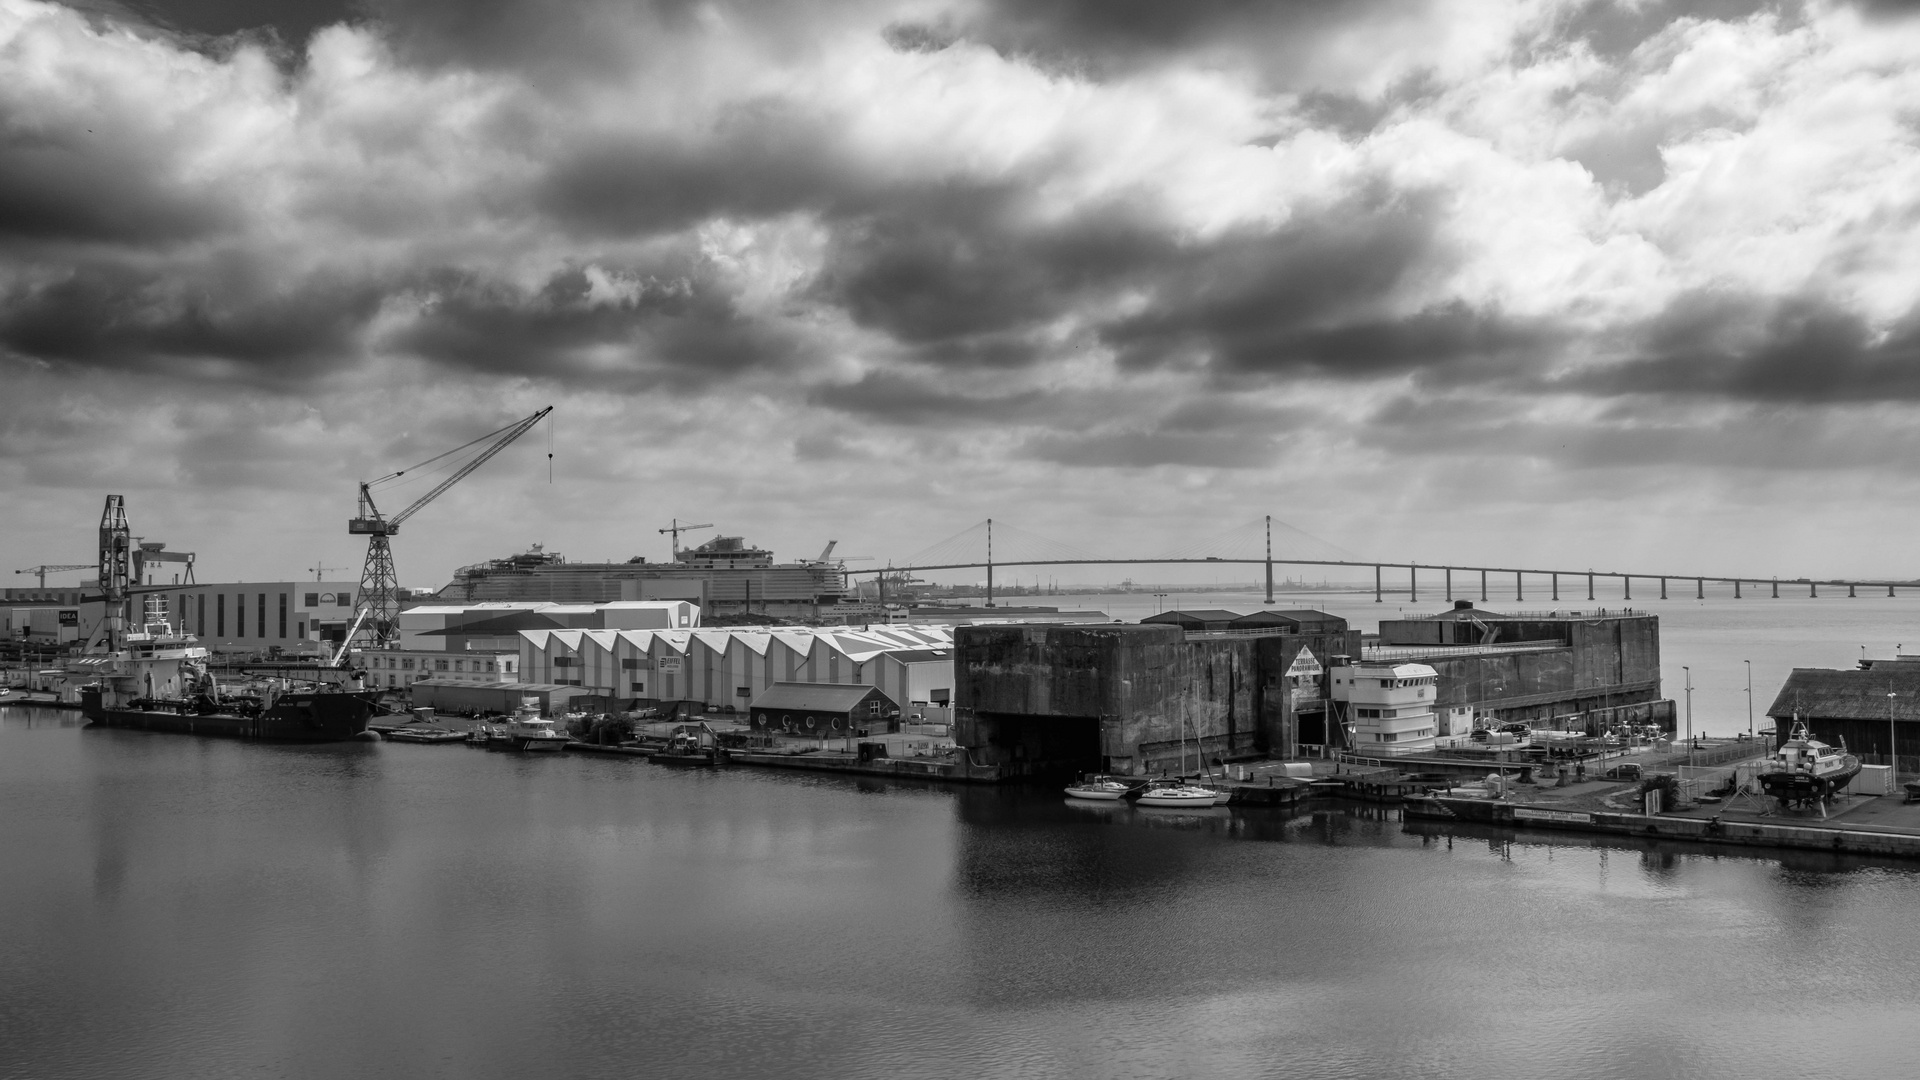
379 601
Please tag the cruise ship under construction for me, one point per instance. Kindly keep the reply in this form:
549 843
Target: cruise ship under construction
725 576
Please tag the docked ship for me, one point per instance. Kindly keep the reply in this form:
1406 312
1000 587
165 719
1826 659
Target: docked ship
725 576
151 676
1806 772
159 680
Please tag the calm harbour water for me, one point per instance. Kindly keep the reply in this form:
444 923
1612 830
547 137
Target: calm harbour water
182 907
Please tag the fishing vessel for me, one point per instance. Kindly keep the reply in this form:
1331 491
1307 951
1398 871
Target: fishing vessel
1806 772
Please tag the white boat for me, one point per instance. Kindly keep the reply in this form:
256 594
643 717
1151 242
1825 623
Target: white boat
532 733
1178 795
1098 790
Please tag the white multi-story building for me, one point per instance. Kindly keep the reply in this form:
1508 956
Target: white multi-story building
1388 706
399 668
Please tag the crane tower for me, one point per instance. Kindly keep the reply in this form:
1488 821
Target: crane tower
379 601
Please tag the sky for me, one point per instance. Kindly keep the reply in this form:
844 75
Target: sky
1619 284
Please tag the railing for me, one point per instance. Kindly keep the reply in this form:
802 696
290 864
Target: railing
1410 652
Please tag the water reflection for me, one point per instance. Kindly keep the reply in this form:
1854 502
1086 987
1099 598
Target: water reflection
194 907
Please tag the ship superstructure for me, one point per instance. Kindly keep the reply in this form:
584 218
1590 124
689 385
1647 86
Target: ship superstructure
725 576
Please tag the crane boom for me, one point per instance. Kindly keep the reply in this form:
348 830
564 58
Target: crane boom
512 432
53 568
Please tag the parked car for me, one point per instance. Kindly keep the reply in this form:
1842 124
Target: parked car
1624 771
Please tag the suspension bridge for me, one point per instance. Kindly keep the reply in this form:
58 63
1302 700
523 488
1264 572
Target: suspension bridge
1254 544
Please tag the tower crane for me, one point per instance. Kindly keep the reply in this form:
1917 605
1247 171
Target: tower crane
53 568
676 529
379 600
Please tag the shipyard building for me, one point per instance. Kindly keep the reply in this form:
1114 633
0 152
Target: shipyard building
1864 709
1142 699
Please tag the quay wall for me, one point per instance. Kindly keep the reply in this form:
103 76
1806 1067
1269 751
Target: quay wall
1660 827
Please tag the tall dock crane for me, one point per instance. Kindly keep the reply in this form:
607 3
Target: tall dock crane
379 602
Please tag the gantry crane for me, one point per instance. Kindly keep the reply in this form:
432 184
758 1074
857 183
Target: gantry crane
53 568
379 600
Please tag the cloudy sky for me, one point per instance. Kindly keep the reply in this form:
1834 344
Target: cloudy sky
1615 283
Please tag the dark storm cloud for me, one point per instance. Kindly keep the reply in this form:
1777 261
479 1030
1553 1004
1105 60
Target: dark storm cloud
292 20
114 316
1105 37
1145 449
1315 297
1801 350
957 274
762 158
90 178
677 331
912 399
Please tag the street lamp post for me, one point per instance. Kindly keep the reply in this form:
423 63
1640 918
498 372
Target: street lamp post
1689 672
1893 733
1749 664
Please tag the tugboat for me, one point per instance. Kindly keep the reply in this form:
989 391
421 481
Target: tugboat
1805 772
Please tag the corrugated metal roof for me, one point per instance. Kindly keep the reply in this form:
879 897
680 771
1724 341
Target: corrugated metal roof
1193 615
814 697
1827 693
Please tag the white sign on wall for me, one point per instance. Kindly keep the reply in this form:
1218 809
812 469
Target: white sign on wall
1304 665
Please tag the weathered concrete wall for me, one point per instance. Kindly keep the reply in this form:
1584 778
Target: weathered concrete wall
1156 695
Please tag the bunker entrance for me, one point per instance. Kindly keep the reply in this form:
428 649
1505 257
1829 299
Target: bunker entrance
1043 746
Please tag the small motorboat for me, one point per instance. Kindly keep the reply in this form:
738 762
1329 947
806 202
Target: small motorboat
1099 789
691 746
1176 794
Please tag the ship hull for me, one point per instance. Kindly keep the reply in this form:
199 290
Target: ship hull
297 717
1804 789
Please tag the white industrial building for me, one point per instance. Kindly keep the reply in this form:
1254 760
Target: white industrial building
727 668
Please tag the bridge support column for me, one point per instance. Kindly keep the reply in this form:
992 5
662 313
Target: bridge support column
1663 588
1626 587
1776 588
1376 583
1450 586
1483 586
1589 586
1736 588
1555 578
1700 588
1850 595
1413 583
1813 589
1516 587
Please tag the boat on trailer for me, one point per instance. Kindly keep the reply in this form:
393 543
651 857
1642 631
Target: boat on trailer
1806 772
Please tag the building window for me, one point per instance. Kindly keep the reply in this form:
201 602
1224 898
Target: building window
639 687
201 621
406 664
506 665
283 616
239 615
439 665
313 600
489 665
345 599
262 611
459 665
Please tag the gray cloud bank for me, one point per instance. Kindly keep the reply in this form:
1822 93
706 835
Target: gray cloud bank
1088 235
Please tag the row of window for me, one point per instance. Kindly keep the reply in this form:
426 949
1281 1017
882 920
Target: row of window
339 599
1396 736
406 663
